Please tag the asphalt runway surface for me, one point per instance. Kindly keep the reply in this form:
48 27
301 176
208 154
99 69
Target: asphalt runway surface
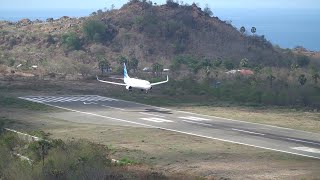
103 110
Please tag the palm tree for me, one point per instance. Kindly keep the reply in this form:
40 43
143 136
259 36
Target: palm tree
253 30
242 30
157 67
271 78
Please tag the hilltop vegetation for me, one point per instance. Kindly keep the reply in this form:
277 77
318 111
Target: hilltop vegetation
189 41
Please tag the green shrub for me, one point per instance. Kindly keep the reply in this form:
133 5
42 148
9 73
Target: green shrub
172 4
71 41
207 11
95 30
303 61
228 65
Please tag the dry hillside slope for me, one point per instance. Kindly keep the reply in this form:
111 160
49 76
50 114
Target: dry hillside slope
139 30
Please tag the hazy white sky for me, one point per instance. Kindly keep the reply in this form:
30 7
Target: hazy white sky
100 4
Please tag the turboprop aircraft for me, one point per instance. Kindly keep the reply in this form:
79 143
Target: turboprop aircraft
134 83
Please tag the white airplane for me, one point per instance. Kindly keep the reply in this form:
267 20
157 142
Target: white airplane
134 83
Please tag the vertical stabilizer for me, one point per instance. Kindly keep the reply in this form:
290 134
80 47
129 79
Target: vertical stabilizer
125 73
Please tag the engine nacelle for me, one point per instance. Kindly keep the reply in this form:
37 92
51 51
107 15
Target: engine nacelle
129 88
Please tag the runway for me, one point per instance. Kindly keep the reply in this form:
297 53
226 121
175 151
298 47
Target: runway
103 110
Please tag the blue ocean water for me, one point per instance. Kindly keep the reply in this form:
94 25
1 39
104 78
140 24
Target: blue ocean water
287 28
16 15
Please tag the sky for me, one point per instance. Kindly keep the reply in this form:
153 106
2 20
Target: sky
100 4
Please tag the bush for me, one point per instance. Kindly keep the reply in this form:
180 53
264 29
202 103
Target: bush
228 65
71 41
94 28
172 4
303 61
207 11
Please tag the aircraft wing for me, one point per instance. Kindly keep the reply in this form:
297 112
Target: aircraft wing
122 84
161 82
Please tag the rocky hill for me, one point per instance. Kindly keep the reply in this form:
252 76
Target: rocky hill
147 32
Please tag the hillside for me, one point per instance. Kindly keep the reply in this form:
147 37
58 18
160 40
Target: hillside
206 56
138 30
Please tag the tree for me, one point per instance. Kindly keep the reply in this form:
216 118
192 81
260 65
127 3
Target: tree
123 59
314 73
217 62
244 63
94 30
103 64
315 77
71 41
134 62
302 79
157 67
253 30
207 10
303 61
172 4
228 65
270 77
206 63
242 30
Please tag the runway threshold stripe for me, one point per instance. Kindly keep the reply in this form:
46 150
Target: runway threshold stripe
194 118
193 122
149 114
113 107
249 132
198 135
156 119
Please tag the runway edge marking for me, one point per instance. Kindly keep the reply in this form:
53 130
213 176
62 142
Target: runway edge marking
198 135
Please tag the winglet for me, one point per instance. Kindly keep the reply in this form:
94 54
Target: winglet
161 82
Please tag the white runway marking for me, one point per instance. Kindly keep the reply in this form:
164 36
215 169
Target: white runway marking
307 149
250 132
81 98
149 114
194 118
302 141
89 103
156 120
173 130
113 107
193 122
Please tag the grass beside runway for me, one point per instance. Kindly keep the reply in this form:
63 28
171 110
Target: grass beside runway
14 102
288 118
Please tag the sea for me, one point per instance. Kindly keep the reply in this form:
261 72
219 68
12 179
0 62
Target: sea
287 28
